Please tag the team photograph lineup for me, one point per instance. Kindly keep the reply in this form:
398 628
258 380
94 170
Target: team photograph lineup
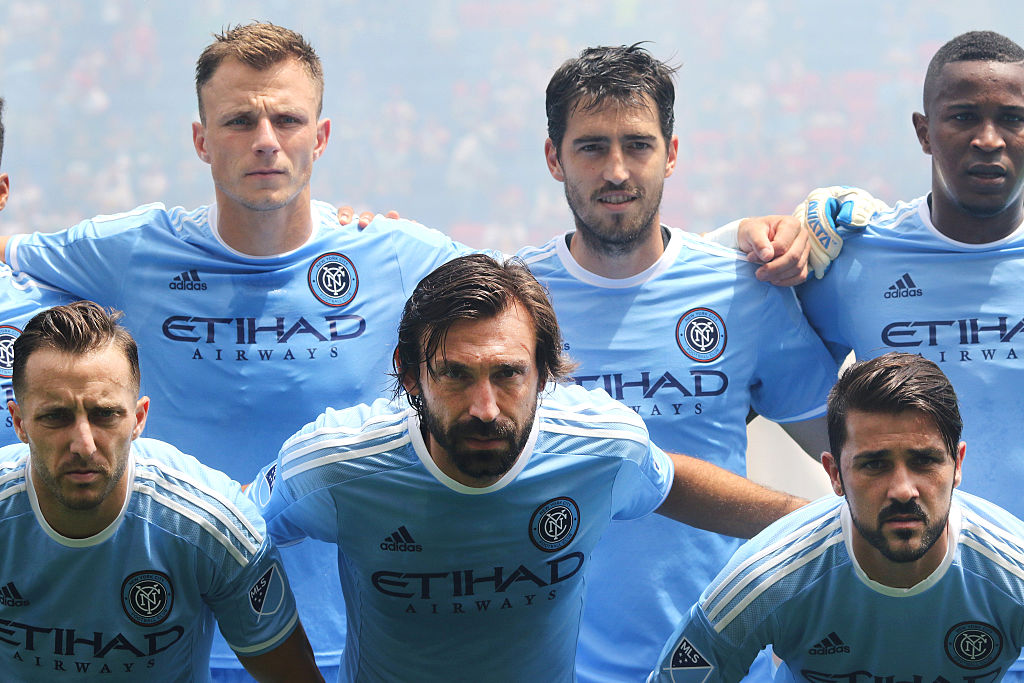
269 439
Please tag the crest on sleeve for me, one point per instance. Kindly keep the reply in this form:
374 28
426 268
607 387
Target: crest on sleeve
333 279
8 334
267 595
701 335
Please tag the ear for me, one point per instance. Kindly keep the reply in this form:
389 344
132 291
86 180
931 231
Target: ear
19 427
921 128
410 383
554 165
5 188
832 468
141 413
673 153
323 133
199 140
961 450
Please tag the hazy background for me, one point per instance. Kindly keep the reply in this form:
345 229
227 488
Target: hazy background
438 107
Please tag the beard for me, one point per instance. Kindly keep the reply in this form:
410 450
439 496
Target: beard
52 483
619 233
474 462
875 536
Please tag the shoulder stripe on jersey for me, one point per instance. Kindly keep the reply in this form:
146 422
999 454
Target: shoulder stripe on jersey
343 456
896 214
697 243
201 521
776 577
993 542
17 468
13 490
789 547
295 451
595 433
534 254
995 558
615 415
300 437
137 211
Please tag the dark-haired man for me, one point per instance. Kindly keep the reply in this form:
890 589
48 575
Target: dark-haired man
676 328
118 551
465 511
901 578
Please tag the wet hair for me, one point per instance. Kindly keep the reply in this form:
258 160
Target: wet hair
973 46
474 287
893 383
622 75
76 328
259 45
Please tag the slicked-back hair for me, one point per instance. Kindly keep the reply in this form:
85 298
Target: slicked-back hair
259 45
77 328
1 130
603 75
474 287
891 384
973 46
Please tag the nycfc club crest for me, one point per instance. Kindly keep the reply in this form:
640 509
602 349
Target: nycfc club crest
973 644
333 279
554 524
147 597
700 334
8 333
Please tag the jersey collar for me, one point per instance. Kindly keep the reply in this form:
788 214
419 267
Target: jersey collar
664 262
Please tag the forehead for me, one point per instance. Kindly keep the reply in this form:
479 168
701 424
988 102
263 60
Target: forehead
54 375
613 116
980 82
506 337
236 84
895 432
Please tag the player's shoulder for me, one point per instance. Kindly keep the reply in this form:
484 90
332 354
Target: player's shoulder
994 536
544 256
590 415
154 216
20 293
905 220
13 481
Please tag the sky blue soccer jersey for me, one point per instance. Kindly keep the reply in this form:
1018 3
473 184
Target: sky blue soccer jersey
797 585
239 352
691 344
448 582
136 602
20 299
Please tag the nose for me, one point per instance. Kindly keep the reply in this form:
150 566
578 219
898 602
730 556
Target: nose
902 485
483 403
615 170
988 137
82 442
265 140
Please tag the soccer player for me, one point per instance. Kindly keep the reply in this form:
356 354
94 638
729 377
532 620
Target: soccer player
897 577
466 510
257 312
20 299
119 551
676 328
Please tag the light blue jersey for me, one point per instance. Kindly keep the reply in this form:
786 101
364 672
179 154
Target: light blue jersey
691 344
446 582
20 299
238 352
798 586
136 602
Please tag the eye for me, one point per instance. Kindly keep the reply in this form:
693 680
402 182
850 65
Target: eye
639 146
964 116
591 148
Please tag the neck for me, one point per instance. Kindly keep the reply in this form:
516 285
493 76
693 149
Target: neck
956 223
264 233
619 263
899 574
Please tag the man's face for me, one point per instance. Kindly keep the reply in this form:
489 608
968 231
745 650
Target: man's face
79 415
261 134
974 132
898 479
613 161
480 396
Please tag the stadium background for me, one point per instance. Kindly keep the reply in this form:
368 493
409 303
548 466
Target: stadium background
438 109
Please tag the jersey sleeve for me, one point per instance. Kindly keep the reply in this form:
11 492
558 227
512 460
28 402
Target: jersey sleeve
696 653
819 300
91 260
642 483
794 371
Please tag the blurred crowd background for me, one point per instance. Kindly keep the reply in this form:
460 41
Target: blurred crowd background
438 105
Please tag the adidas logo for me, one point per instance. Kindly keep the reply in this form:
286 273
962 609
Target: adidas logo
187 280
401 541
10 597
831 644
903 287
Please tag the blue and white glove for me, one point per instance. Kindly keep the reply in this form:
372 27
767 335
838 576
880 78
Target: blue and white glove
825 212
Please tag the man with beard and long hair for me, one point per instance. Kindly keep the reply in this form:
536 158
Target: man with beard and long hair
465 510
899 576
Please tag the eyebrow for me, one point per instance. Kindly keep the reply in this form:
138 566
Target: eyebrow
885 453
585 139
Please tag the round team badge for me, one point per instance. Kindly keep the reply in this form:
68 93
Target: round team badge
973 644
8 333
147 597
700 334
554 524
333 279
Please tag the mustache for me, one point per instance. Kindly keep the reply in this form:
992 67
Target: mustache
608 187
898 509
476 428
